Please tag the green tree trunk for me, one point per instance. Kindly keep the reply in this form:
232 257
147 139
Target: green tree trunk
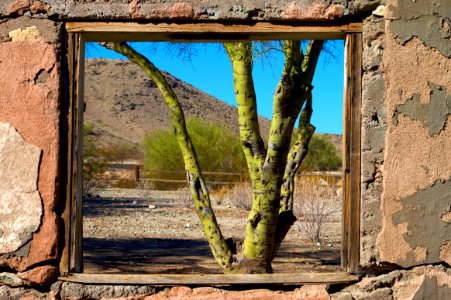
271 168
271 215
218 245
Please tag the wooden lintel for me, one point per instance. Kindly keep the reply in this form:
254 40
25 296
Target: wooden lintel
212 279
130 31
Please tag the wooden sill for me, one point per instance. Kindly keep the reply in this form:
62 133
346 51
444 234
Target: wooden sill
211 279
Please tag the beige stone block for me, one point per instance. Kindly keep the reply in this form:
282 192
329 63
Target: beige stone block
20 203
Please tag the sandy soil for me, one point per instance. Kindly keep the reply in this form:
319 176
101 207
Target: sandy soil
144 231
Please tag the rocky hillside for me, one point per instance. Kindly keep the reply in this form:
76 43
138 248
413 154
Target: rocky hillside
122 103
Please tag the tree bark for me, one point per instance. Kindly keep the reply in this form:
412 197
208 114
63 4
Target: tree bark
199 191
268 221
271 169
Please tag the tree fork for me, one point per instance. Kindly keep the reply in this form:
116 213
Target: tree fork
299 149
295 157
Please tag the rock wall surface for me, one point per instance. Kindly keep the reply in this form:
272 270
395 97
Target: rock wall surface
420 283
406 141
374 127
325 10
29 103
416 197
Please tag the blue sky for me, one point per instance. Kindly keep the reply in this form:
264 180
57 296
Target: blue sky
209 69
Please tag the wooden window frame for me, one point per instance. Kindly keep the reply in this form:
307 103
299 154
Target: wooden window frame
71 265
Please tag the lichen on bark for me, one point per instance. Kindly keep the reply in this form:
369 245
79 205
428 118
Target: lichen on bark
271 215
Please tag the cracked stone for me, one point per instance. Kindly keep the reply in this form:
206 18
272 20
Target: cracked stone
20 202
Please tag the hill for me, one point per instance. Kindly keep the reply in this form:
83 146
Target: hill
122 103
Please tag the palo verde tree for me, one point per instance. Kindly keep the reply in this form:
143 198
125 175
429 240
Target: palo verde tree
272 168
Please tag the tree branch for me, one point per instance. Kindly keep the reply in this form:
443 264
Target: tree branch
199 192
298 73
297 153
240 55
311 59
289 98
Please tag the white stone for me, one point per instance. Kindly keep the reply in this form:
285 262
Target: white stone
380 11
25 34
20 202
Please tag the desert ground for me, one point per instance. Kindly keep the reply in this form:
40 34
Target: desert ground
148 231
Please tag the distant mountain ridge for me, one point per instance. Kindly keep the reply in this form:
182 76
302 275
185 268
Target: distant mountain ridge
122 103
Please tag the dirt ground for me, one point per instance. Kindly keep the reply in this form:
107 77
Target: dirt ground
145 231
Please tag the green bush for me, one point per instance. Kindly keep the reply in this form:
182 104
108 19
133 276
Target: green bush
218 150
321 156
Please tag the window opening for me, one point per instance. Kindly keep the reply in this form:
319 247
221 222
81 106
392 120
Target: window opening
128 189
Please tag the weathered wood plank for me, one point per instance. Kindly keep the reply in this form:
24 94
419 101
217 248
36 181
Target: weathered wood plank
184 172
351 150
129 31
212 279
66 215
355 150
346 154
74 132
78 203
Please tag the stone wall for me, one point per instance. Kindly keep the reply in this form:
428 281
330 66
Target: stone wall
406 141
324 10
29 147
415 202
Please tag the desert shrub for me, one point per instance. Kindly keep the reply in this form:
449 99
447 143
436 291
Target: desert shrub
218 150
316 203
93 167
220 193
321 156
240 196
144 185
185 199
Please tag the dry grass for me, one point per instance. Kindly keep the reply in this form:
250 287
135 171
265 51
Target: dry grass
185 198
240 196
316 203
219 194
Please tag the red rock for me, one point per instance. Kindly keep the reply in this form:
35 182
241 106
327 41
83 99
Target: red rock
38 6
294 12
181 11
43 275
134 9
308 292
334 11
19 6
19 66
44 243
